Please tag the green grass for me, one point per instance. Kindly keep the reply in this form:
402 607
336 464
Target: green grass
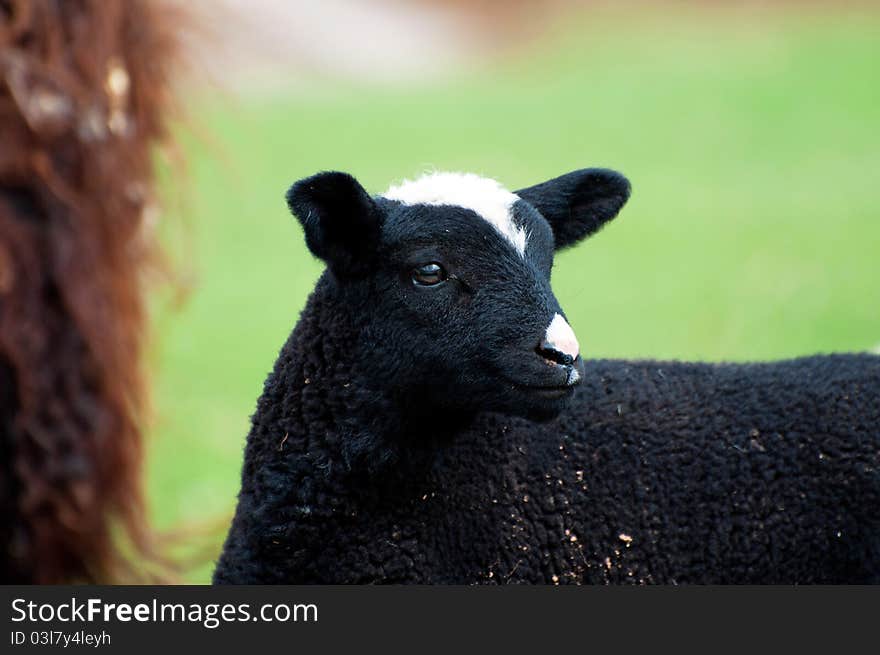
752 141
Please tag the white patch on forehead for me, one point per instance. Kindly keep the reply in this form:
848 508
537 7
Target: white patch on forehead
561 337
482 195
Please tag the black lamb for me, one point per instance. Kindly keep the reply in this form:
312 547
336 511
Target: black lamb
431 420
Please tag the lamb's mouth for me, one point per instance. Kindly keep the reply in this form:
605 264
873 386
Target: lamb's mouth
546 380
549 393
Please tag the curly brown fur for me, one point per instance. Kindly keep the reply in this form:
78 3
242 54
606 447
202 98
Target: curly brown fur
83 95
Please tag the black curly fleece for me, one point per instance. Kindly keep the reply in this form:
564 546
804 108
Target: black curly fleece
659 472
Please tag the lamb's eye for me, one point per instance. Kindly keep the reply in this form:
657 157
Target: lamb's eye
428 274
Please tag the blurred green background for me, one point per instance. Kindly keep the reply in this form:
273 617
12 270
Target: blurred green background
751 137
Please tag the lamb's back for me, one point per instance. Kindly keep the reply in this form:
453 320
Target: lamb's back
721 472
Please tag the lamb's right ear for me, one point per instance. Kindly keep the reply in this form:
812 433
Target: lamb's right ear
341 221
577 204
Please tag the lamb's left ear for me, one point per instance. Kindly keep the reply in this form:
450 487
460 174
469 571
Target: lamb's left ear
579 203
341 221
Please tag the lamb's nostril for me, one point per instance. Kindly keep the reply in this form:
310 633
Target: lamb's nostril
546 350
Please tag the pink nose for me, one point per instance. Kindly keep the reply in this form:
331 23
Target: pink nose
560 339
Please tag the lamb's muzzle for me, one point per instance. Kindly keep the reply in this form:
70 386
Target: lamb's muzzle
560 344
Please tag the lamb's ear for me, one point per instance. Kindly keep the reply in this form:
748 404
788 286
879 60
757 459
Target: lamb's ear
579 203
341 221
